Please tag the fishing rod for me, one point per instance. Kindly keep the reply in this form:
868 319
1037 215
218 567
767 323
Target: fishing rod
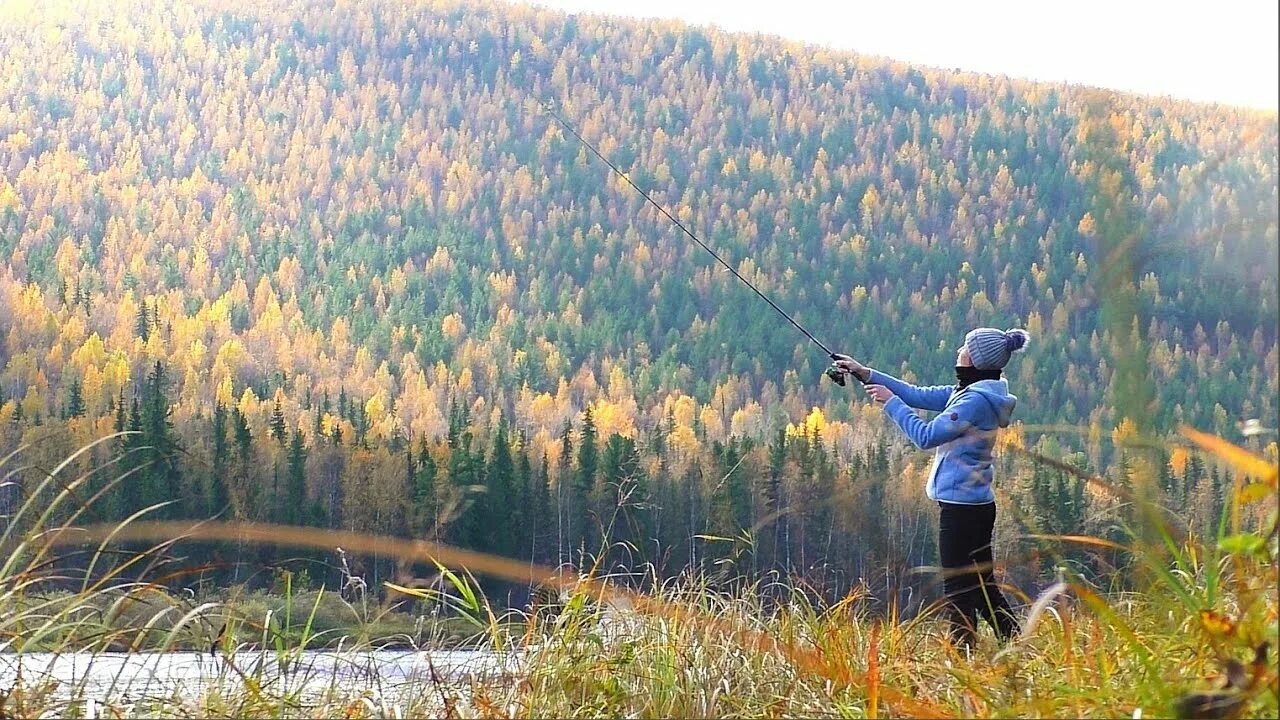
832 372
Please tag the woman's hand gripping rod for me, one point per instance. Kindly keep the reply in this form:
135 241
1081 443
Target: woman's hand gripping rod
842 365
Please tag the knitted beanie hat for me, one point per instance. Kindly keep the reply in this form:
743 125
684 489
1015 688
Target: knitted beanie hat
989 348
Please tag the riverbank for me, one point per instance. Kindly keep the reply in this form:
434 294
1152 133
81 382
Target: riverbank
696 652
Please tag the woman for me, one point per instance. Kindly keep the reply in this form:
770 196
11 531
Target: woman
964 431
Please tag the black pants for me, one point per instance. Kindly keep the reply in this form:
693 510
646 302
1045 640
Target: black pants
964 544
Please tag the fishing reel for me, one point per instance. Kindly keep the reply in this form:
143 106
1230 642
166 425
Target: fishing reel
836 374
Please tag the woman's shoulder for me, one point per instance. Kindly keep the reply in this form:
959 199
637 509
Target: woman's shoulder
968 399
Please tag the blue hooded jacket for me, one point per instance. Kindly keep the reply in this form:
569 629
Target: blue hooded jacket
964 431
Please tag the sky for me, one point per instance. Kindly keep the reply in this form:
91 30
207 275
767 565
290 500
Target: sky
1224 51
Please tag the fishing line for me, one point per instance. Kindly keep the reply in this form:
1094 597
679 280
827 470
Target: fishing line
838 377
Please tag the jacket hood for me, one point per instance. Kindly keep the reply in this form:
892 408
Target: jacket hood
997 393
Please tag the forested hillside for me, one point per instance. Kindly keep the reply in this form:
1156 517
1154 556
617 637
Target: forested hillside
337 266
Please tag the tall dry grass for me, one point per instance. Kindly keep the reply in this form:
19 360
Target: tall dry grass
1194 641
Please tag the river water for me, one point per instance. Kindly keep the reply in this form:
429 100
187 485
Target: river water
83 679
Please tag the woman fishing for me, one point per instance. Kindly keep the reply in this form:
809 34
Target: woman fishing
963 431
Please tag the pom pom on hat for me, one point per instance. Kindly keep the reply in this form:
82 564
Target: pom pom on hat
1015 339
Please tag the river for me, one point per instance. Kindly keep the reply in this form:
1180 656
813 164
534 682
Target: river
90 680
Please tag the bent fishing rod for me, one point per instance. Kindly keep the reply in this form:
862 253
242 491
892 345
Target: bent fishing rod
832 372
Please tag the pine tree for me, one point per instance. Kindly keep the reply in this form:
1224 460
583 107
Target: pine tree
624 486
423 499
543 525
465 527
142 327
726 517
216 497
360 419
296 482
75 400
523 512
778 501
459 421
243 465
497 502
582 528
120 421
564 494
129 492
279 430
163 474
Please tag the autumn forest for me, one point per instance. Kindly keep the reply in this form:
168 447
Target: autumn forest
333 264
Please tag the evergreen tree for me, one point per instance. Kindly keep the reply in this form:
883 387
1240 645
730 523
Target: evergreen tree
296 484
216 497
464 528
459 421
543 526
423 497
625 487
360 419
120 421
731 502
498 500
132 489
777 500
75 400
523 514
163 474
142 326
564 492
243 465
135 422
582 533
279 430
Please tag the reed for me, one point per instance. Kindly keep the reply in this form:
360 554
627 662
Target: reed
1194 642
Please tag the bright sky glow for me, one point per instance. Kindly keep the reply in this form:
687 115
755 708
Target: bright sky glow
1224 51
